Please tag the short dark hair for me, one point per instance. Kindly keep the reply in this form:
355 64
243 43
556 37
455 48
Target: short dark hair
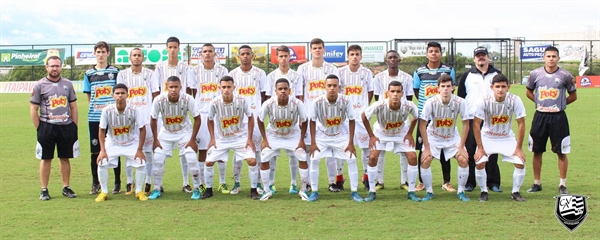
551 49
434 44
445 78
173 79
393 51
282 48
120 85
282 80
333 76
500 78
173 39
208 45
395 84
53 57
226 78
102 44
245 46
316 41
354 48
136 49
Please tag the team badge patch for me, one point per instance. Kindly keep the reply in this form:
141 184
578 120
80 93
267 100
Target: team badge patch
571 210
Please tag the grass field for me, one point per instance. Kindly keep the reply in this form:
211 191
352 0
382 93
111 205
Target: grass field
285 216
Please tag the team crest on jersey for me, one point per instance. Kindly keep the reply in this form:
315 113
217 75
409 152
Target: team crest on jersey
56 102
316 85
557 80
247 91
103 91
137 92
444 122
333 122
393 125
111 76
95 142
226 122
502 119
65 88
547 93
169 120
431 90
120 130
209 87
571 210
287 123
353 90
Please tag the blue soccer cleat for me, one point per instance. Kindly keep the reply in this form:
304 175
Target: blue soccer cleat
370 197
463 197
427 197
413 196
314 196
356 197
154 195
196 194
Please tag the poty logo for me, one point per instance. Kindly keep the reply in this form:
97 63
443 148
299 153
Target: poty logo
431 91
287 123
120 130
209 87
137 92
353 90
247 91
393 125
444 123
502 119
333 122
227 122
58 102
173 120
316 85
547 93
103 91
152 55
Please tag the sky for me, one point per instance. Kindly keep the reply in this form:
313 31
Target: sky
87 22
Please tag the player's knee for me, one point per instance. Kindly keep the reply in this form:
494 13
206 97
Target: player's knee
265 165
480 166
411 159
519 166
251 162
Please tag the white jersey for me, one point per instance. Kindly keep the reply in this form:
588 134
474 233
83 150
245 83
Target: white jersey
383 79
249 86
497 116
356 86
443 117
292 76
332 119
140 89
314 80
207 81
175 117
122 129
391 122
163 71
229 118
283 120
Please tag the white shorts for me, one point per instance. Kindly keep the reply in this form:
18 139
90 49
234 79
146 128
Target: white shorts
168 140
361 136
333 147
203 137
276 143
149 142
393 144
504 146
449 146
221 152
114 152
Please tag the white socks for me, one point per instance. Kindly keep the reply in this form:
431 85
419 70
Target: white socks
184 170
331 168
463 176
140 176
481 177
103 178
237 170
427 179
372 173
148 167
304 179
222 167
253 173
273 164
264 175
403 167
293 168
353 174
158 169
518 176
412 173
314 175
208 176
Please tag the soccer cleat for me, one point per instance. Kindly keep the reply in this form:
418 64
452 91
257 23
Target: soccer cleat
379 186
340 185
259 188
469 188
535 188
428 196
484 197
266 195
95 189
68 192
154 195
314 196
419 187
141 196
101 197
236 188
117 188
273 188
463 197
207 193
370 197
404 186
517 197
129 188
147 187
413 196
162 189
496 189
187 189
44 195
448 187
355 197
293 189
303 195
308 188
562 190
202 188
195 194
224 188
254 194
333 188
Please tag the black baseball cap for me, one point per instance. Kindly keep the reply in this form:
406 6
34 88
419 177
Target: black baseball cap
480 49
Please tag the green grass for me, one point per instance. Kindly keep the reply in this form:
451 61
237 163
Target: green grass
285 216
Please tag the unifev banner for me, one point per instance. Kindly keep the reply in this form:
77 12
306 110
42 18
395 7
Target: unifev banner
152 55
27 87
335 53
260 54
571 52
29 57
297 54
533 53
220 52
415 49
588 81
85 57
373 52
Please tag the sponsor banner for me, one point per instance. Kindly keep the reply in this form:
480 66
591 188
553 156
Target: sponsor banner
297 54
415 49
335 53
27 87
29 57
85 57
571 52
260 54
533 53
220 53
152 55
372 52
588 81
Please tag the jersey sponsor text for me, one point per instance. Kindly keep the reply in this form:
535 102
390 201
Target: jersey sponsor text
173 120
103 91
57 102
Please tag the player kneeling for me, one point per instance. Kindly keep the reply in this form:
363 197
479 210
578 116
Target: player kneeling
496 136
391 134
126 131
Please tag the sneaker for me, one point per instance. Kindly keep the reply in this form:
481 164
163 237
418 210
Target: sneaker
303 195
147 187
117 188
419 187
413 196
370 197
195 194
484 197
254 194
155 194
428 196
224 188
293 189
259 188
340 185
379 186
463 197
308 188
95 189
236 188
273 188
44 194
365 181
265 196
314 196
496 189
333 188
404 186
517 197
202 188
68 192
535 188
129 188
187 189
141 196
101 197
562 190
207 193
354 196
469 188
448 187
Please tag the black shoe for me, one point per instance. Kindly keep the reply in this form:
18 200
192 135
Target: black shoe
44 194
161 189
147 188
207 193
129 189
254 194
187 189
517 197
340 185
333 188
308 188
469 188
95 189
562 190
365 183
484 196
117 188
535 188
68 192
